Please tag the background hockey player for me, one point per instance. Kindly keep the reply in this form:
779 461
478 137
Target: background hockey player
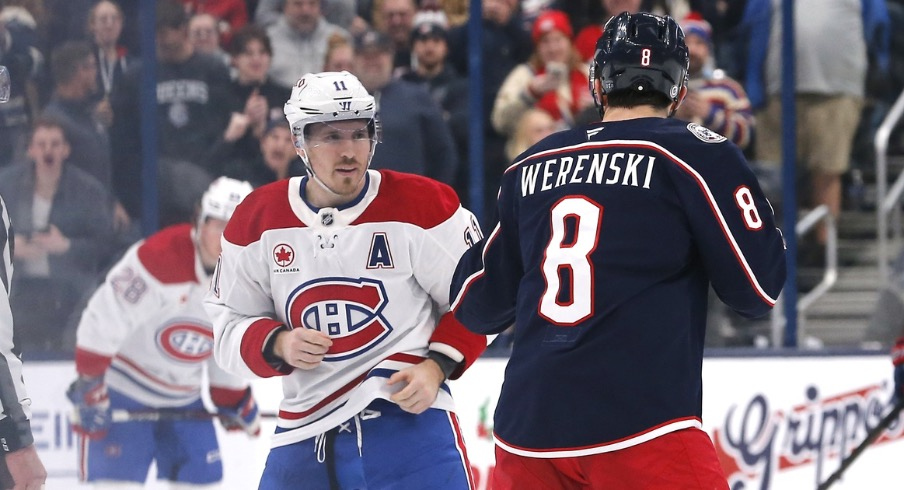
339 281
19 462
143 343
607 239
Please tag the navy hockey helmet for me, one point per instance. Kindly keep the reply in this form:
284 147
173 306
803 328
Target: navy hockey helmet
641 52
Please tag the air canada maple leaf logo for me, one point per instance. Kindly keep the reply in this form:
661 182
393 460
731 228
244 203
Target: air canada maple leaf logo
283 255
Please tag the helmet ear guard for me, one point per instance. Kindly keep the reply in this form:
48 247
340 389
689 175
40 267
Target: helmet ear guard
640 52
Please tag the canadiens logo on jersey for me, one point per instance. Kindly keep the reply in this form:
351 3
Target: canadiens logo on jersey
350 311
185 341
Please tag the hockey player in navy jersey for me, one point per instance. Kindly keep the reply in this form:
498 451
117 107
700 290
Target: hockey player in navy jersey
143 344
338 282
607 239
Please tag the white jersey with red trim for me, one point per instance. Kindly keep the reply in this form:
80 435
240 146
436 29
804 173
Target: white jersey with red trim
147 322
373 274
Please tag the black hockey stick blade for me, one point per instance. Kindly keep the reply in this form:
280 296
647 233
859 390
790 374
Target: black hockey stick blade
871 437
120 415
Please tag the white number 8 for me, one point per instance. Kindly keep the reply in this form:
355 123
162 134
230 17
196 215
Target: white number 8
572 256
751 216
645 57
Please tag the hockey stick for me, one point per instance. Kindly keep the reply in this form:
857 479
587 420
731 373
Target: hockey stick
871 436
150 415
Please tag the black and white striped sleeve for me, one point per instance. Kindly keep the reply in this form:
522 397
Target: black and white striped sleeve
15 406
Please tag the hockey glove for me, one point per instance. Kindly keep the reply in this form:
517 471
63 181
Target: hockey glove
244 416
91 416
897 358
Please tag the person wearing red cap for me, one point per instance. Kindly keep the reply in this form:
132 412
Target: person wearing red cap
554 79
585 41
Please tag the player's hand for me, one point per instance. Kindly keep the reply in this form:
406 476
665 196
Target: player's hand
303 348
91 417
26 469
422 382
897 359
244 416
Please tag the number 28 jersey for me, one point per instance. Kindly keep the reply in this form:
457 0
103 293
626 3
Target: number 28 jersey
608 237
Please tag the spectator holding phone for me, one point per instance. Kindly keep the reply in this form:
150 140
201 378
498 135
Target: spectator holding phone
553 79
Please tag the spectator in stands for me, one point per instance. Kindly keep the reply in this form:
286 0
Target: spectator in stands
339 12
230 15
105 23
203 31
193 109
75 107
255 98
395 18
713 99
299 40
585 41
448 89
63 227
19 53
416 139
276 158
505 44
533 125
73 103
554 79
829 88
340 54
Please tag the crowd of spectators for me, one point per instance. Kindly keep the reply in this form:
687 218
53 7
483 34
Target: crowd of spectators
225 68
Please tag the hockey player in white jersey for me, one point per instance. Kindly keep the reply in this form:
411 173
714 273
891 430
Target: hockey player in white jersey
338 282
143 344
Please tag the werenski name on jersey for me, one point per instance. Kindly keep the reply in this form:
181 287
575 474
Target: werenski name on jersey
617 168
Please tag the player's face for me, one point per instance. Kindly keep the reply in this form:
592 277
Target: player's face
209 234
338 153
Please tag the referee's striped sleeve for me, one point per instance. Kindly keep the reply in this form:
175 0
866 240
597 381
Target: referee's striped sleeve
15 406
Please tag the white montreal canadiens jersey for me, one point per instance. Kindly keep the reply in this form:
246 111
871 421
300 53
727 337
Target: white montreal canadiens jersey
374 275
149 317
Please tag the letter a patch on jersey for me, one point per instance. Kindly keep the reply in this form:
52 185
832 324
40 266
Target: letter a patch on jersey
380 256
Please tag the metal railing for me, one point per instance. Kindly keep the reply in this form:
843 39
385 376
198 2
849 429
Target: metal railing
887 201
829 276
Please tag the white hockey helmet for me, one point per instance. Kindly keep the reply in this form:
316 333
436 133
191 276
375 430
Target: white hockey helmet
327 97
222 197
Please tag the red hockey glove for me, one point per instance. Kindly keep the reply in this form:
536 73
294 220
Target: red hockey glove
244 416
91 414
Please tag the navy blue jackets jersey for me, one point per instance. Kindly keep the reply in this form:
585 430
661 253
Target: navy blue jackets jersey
608 237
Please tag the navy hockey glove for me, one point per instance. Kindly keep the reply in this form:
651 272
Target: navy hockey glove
244 416
91 416
897 358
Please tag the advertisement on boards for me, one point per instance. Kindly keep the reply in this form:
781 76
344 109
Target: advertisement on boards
778 423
